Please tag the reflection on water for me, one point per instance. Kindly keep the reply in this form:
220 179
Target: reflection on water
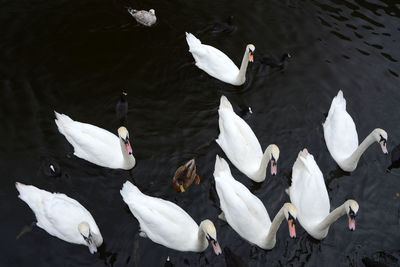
77 56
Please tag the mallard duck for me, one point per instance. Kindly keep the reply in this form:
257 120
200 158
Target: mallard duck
185 175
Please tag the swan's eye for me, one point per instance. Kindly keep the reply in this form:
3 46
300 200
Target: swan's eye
352 214
382 139
273 160
292 219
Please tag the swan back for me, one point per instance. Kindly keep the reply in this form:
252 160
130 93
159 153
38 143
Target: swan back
163 221
237 140
308 191
339 130
244 212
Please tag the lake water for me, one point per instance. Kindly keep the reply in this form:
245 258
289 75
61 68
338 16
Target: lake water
76 57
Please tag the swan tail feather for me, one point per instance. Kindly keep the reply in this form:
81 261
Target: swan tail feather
302 158
192 41
128 190
61 120
287 191
31 195
224 103
220 166
338 103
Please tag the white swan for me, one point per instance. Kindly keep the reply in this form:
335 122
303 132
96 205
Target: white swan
144 17
62 216
241 145
217 64
308 193
167 224
341 136
97 145
245 213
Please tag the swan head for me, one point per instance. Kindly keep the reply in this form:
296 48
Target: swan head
152 11
84 230
381 137
351 210
251 48
211 234
290 212
124 136
274 149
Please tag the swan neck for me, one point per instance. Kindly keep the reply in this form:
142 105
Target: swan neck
331 218
262 170
202 242
243 67
352 161
270 240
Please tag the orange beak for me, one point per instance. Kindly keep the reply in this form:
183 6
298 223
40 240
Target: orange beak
292 228
251 58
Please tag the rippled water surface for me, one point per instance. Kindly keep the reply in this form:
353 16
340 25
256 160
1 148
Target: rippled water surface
76 57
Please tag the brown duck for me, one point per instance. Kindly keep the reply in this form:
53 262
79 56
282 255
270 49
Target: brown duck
185 175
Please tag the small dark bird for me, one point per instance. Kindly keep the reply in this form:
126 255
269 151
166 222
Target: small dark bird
273 62
226 26
50 167
232 260
122 108
168 263
245 112
395 158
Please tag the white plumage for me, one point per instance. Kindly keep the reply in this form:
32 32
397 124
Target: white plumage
241 145
167 224
341 136
62 216
244 212
97 145
308 193
217 64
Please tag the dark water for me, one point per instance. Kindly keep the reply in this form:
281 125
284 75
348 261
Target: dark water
76 57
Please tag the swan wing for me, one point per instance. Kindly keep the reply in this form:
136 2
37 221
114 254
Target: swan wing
64 215
244 212
163 221
339 130
90 142
308 191
212 60
238 141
